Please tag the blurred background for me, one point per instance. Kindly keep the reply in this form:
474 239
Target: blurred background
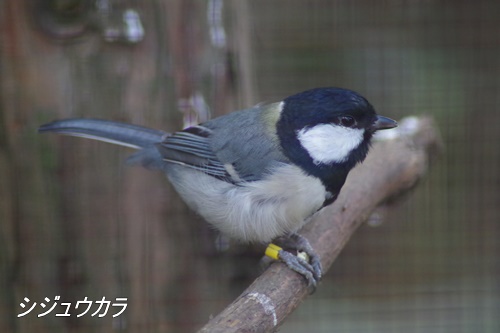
76 222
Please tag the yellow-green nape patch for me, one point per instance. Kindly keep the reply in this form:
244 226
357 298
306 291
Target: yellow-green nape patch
271 114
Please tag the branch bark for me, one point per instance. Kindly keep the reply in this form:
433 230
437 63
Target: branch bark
394 166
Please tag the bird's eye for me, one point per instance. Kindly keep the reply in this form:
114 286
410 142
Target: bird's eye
347 121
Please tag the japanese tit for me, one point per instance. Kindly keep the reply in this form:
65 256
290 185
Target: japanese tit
260 173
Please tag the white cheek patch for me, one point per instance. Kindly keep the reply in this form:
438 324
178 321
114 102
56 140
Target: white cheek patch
327 143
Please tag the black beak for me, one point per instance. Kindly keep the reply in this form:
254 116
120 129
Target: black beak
382 123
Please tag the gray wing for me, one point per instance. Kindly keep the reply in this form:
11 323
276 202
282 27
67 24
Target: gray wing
191 148
236 148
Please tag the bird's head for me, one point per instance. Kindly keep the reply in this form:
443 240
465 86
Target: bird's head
327 128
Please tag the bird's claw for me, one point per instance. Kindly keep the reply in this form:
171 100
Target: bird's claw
309 267
300 266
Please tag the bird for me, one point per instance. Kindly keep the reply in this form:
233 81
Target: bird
257 175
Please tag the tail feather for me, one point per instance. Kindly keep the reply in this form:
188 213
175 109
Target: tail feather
108 131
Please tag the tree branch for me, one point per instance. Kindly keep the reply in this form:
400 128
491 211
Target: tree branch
394 165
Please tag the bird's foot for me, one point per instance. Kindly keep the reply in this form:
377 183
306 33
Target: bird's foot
306 262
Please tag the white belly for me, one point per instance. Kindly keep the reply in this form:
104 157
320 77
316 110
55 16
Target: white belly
256 211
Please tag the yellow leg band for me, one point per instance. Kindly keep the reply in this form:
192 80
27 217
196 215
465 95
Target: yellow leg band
272 251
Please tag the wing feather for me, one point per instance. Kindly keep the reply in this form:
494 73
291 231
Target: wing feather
240 147
191 148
